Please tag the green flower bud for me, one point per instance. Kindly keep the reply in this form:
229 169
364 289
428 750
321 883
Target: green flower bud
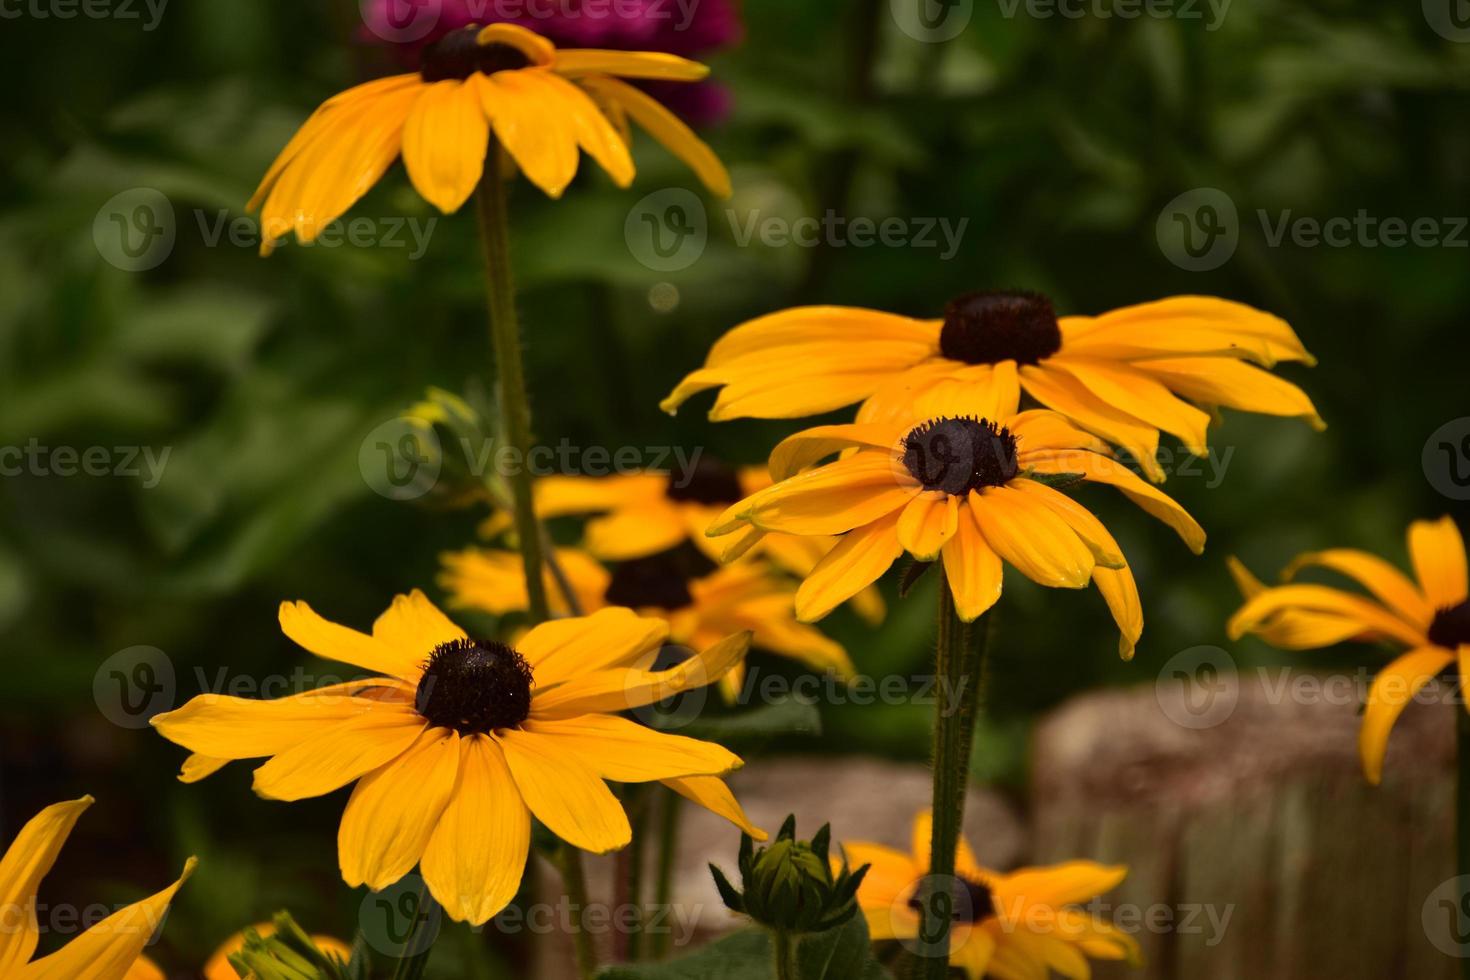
789 885
449 434
290 954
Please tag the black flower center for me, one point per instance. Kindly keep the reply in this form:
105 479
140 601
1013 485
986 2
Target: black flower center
971 901
658 581
475 687
459 55
988 327
709 481
960 455
1450 627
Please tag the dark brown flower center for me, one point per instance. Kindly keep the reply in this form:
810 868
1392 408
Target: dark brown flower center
709 481
658 581
960 455
474 687
988 327
970 901
459 55
1450 627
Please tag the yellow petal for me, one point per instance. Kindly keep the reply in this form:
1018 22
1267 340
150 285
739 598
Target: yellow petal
1438 554
1100 469
626 752
393 811
197 767
1031 538
1069 883
563 649
225 727
1060 391
929 520
797 452
1187 325
1377 576
336 756
1233 384
858 560
711 793
623 690
1139 395
565 794
27 860
636 532
477 854
522 107
444 141
327 639
108 949
1093 533
1392 691
413 626
972 569
593 132
575 63
1368 616
146 969
830 499
538 49
667 129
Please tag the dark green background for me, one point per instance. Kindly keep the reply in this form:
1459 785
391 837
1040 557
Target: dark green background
1060 140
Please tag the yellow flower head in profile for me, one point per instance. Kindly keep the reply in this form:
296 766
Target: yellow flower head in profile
1123 375
110 950
950 484
700 602
459 742
543 105
1017 926
1430 617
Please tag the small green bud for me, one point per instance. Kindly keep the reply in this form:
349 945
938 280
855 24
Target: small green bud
450 434
789 884
290 954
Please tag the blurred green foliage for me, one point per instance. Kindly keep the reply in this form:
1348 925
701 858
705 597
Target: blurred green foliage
1057 140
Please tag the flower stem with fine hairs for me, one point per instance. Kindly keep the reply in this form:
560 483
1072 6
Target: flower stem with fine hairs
411 965
668 846
959 669
574 880
784 944
515 404
1462 806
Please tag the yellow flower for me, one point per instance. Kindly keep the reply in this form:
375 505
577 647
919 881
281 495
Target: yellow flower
948 485
542 104
700 602
1015 926
642 514
1123 375
109 950
1431 618
458 742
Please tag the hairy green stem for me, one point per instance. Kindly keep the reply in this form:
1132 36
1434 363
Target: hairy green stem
515 403
959 667
668 844
411 965
574 881
784 944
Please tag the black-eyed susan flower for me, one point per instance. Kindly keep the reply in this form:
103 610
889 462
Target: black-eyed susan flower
698 600
110 950
641 514
956 487
456 743
1016 926
1429 615
1124 375
544 106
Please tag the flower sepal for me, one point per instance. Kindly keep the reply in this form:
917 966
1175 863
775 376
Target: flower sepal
290 954
789 885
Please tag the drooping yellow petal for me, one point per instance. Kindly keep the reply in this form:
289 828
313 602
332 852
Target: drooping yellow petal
477 854
197 767
336 756
537 48
1100 469
327 639
1376 575
1181 326
667 129
145 969
1368 616
1081 520
1234 384
711 793
108 949
1139 395
444 141
796 452
626 752
542 141
972 568
225 727
1037 430
393 811
971 950
579 62
1061 392
1031 538
1438 553
623 690
593 132
565 794
927 523
830 499
1393 690
27 860
858 560
564 649
1069 883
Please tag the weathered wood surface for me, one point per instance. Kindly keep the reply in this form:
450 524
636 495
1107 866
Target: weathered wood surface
1264 817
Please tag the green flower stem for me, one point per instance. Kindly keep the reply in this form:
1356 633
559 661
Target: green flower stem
515 404
785 947
959 669
630 873
1462 806
574 881
411 966
668 844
